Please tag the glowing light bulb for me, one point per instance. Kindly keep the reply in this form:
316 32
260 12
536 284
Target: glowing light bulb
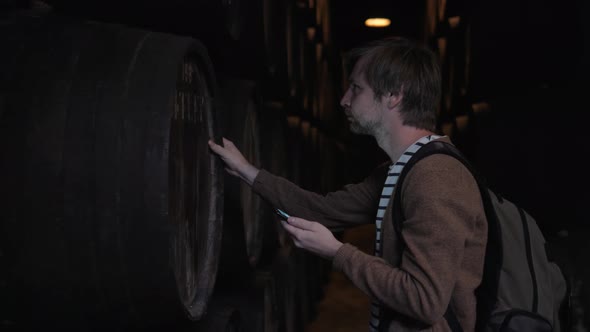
377 22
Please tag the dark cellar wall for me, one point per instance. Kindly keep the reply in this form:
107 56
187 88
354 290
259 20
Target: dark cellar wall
530 63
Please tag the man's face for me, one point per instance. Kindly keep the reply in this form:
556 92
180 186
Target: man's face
360 106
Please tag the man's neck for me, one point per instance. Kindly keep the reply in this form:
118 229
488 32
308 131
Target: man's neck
395 142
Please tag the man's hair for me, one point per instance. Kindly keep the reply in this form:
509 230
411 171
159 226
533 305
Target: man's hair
398 65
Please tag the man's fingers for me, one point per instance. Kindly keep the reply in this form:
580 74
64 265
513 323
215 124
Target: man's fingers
311 236
301 223
288 227
227 143
294 231
214 146
299 229
218 149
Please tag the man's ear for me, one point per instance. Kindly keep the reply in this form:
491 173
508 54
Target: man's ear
393 100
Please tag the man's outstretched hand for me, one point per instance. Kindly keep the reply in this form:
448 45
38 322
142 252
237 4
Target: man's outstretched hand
235 163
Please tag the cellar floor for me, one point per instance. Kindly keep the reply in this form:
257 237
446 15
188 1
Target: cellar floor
344 307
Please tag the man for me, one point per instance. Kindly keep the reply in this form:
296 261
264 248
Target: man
393 96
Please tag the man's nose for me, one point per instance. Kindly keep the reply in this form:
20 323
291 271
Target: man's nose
345 101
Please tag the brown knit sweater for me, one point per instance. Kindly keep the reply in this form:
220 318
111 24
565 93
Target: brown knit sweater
444 232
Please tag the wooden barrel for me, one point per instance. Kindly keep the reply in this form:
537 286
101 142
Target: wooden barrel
289 278
112 203
221 317
13 4
266 281
275 158
218 17
244 226
275 13
257 302
310 173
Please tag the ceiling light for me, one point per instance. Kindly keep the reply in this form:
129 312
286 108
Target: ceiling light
377 22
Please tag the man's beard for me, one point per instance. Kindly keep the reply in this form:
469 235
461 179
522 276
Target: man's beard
362 129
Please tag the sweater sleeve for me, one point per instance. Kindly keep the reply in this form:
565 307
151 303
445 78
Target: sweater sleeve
442 205
355 204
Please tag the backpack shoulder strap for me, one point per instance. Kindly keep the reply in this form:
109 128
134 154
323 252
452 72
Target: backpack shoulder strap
487 291
434 147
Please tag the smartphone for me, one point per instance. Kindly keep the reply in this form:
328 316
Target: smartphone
282 214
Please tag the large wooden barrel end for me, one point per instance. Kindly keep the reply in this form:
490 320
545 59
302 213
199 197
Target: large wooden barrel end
114 201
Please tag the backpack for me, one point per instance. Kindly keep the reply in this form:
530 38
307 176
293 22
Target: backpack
521 289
